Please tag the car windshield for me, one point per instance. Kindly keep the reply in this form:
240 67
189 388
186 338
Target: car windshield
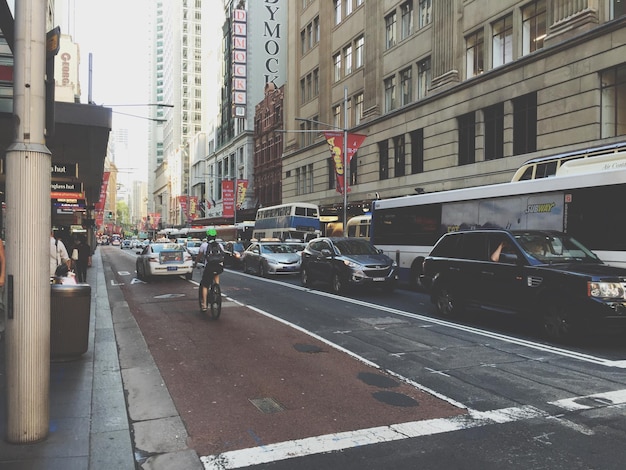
194 244
554 248
158 247
278 248
355 247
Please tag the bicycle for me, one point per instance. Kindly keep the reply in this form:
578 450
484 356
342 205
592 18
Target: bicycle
214 300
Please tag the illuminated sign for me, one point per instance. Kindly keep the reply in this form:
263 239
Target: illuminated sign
240 59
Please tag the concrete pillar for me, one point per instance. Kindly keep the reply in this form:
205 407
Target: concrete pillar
28 235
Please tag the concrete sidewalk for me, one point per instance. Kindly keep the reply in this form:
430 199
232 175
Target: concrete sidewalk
92 425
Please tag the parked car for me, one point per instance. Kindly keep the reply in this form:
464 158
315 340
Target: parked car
126 244
192 246
233 254
264 258
547 277
347 261
164 259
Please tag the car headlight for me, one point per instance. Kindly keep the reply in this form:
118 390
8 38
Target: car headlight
613 290
394 264
352 264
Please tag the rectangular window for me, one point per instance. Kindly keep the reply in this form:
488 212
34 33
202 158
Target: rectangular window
390 30
358 109
302 91
423 78
347 55
390 94
618 8
337 67
316 29
399 159
474 52
303 42
348 7
406 85
494 131
417 151
467 139
425 13
332 178
316 82
337 9
309 86
502 41
525 124
406 10
358 51
613 101
337 116
534 19
383 160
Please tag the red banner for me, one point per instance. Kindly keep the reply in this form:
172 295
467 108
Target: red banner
228 198
242 187
335 144
155 219
103 191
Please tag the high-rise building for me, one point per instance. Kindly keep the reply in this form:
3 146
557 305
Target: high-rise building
448 93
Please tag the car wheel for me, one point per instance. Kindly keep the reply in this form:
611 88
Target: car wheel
416 271
304 277
557 323
188 276
262 270
446 303
337 284
140 273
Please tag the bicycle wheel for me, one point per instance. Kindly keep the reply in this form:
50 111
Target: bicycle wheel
215 297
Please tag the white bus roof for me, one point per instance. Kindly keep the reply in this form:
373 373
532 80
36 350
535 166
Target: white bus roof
601 163
508 189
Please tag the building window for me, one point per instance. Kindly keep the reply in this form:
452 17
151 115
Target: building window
406 10
390 94
399 160
316 30
494 131
302 91
406 85
303 42
347 55
358 51
502 41
316 82
337 67
358 109
337 7
390 30
533 26
613 101
423 78
354 169
337 117
467 139
474 53
348 7
425 13
383 160
309 86
417 151
525 124
332 177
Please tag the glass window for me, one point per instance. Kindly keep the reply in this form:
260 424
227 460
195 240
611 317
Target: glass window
390 93
358 108
406 84
347 54
613 101
474 52
425 13
358 50
337 7
502 41
423 77
337 67
390 30
533 26
406 10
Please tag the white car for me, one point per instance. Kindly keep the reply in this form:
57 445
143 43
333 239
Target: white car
164 259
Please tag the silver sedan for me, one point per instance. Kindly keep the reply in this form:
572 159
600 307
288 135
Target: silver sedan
264 258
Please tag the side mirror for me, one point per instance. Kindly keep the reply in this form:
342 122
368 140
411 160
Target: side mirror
508 258
326 253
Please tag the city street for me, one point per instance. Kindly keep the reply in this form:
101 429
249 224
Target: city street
292 376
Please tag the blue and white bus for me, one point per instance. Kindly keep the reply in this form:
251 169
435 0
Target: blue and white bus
587 206
298 220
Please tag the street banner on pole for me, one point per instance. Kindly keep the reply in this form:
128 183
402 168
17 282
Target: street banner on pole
228 198
335 144
242 187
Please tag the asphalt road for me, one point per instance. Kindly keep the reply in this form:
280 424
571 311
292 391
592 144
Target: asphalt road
292 377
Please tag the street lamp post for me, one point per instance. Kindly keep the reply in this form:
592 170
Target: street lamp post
345 160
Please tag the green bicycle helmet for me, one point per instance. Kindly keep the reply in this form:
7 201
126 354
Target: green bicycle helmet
211 232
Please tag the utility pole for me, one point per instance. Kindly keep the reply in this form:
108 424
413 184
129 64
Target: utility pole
28 234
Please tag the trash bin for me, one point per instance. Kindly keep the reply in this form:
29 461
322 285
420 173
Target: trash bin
69 320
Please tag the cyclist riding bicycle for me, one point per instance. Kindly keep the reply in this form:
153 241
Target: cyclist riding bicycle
213 256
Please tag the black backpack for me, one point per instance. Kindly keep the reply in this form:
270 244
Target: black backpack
214 253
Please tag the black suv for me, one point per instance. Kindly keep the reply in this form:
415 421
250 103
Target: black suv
547 276
346 261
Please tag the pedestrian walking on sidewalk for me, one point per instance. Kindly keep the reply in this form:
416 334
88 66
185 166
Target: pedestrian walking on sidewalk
82 258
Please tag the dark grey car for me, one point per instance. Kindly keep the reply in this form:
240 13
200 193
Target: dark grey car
346 261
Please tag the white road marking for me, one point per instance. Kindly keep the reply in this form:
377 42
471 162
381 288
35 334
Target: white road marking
137 281
123 273
617 397
579 356
113 283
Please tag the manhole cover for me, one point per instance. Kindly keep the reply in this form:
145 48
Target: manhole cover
377 380
395 399
307 348
266 405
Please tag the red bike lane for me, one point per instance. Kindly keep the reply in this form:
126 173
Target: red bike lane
249 380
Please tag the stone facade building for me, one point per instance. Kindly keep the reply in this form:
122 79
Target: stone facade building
450 93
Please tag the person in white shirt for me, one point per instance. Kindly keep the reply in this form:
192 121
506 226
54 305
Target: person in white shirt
58 253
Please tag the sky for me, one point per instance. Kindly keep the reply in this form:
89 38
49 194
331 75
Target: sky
115 32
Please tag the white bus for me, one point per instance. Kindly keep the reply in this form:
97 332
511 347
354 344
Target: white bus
586 206
546 167
298 220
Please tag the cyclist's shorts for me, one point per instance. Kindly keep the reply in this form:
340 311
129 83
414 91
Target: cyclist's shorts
210 270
